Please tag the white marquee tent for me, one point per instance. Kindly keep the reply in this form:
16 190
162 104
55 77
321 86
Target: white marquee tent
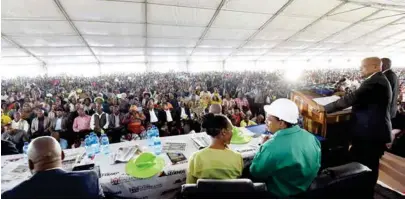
103 36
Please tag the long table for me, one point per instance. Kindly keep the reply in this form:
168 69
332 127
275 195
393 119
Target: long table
114 180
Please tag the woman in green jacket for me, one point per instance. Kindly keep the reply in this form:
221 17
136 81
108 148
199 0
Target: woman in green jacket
289 160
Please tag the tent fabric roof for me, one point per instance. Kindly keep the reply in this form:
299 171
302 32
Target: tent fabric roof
139 31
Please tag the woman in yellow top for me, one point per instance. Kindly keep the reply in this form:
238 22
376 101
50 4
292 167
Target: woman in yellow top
216 161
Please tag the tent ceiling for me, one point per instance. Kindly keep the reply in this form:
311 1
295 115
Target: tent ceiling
133 31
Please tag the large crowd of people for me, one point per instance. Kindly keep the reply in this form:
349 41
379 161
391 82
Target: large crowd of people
125 106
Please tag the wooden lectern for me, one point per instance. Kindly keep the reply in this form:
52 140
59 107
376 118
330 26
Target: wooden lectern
314 121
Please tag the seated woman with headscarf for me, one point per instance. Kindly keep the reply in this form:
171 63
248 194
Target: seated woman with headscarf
216 161
134 121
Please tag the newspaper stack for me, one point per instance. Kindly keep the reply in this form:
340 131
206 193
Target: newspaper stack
124 154
200 141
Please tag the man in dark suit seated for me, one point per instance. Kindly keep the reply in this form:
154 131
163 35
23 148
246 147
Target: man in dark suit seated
8 148
49 180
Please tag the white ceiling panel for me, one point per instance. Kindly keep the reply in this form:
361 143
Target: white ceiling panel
388 31
289 23
261 44
18 61
387 42
107 51
5 43
399 44
5 52
312 8
121 59
294 45
220 43
254 6
174 31
325 46
51 41
399 36
169 51
366 40
382 18
243 58
167 58
250 52
36 28
213 52
308 36
68 59
49 51
114 11
230 34
118 41
240 20
211 4
102 28
309 53
206 58
350 13
275 34
272 58
351 33
166 42
321 30
281 52
171 15
37 9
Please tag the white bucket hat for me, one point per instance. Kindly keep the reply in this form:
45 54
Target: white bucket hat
284 109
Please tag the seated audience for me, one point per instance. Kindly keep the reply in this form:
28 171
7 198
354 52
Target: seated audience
246 121
99 120
40 124
216 161
289 160
81 125
116 128
62 142
5 119
16 136
18 123
49 180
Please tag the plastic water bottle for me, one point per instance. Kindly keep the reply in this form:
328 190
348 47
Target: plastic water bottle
150 135
95 143
105 144
157 147
25 151
87 145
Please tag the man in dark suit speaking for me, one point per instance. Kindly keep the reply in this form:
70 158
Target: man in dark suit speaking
371 118
393 79
49 180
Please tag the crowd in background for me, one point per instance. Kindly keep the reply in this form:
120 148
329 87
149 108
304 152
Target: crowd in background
124 106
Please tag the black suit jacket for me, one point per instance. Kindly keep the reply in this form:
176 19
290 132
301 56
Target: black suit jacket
393 79
56 184
371 106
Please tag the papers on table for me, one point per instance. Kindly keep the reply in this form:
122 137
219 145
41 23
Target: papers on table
174 146
124 154
200 141
326 100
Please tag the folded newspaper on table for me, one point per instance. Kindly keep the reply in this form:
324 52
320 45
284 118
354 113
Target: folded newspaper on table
200 141
327 100
124 154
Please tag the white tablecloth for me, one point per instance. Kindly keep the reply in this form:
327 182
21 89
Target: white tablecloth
115 181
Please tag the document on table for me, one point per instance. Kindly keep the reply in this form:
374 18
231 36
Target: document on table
327 100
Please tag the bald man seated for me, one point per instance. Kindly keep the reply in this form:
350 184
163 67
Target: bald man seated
370 126
49 180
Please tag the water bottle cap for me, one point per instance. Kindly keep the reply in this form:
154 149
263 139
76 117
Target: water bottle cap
26 143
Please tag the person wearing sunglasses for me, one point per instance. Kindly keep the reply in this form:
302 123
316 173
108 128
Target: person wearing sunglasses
289 160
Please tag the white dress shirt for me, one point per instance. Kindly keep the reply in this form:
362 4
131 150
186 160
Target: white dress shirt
168 116
58 125
21 124
153 117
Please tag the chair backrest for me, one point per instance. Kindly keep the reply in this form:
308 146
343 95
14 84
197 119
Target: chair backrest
234 188
345 181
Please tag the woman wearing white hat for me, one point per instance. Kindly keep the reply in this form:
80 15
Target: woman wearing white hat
290 159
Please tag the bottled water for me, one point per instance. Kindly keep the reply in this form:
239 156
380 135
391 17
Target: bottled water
157 147
105 144
95 143
150 134
87 145
25 151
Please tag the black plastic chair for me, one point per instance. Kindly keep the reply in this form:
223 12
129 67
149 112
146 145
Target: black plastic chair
345 181
224 189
